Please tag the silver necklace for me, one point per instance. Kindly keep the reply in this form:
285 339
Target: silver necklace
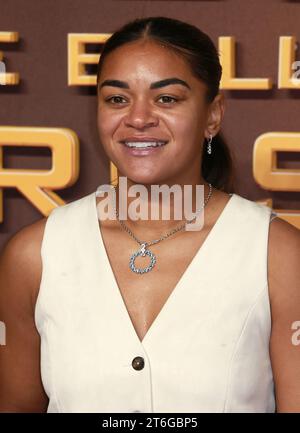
143 251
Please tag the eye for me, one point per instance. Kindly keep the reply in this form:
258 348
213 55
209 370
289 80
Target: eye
168 98
114 98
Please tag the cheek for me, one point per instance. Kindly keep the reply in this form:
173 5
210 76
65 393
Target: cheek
186 129
107 125
187 134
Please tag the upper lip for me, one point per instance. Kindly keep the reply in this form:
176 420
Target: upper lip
142 138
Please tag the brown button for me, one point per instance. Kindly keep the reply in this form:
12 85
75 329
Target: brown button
138 363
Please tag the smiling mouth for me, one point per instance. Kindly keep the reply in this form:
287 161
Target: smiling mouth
143 144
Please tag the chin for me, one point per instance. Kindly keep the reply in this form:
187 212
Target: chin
141 178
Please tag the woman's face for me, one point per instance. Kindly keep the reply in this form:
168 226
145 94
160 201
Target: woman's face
139 106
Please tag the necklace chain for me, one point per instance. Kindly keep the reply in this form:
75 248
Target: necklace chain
177 229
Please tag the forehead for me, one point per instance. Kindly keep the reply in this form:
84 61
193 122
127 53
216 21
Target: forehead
144 59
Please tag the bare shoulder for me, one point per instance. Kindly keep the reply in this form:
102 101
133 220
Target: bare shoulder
281 231
21 388
284 290
283 259
21 257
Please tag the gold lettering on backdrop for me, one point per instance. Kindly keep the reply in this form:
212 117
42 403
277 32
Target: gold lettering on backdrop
8 78
77 57
38 185
286 71
228 61
266 172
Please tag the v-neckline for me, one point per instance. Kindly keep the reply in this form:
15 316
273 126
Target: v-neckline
101 251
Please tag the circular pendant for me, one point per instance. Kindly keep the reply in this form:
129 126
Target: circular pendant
142 252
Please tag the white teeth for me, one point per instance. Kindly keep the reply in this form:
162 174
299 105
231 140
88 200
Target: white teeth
141 144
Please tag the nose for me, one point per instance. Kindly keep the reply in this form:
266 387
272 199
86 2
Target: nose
140 115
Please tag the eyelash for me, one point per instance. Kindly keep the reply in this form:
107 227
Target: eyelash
163 96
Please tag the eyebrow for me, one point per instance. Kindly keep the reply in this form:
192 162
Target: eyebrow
155 85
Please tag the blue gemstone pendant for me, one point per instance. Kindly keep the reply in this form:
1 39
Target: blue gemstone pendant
142 252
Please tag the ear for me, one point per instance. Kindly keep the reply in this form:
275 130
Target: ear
215 115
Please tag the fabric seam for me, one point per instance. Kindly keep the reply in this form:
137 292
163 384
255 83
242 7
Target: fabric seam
38 303
235 351
52 385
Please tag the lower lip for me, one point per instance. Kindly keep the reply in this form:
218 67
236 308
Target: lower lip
142 152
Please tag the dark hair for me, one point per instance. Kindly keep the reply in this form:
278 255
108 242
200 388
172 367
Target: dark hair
200 53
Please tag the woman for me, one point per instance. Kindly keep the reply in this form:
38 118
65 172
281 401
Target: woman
207 327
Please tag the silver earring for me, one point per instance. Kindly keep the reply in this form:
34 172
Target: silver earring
209 144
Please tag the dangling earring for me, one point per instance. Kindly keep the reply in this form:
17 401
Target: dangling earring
209 144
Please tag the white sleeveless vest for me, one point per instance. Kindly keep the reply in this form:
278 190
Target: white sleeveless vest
207 350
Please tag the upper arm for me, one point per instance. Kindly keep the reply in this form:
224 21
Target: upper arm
21 388
284 289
